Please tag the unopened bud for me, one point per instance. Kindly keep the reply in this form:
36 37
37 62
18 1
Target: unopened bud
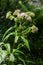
34 29
8 14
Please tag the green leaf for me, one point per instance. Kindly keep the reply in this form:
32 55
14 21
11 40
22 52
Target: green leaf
7 46
6 38
25 42
20 64
16 37
11 58
22 60
3 64
1 43
7 32
20 45
17 51
2 55
27 31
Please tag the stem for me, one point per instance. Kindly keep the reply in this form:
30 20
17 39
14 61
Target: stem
23 6
12 63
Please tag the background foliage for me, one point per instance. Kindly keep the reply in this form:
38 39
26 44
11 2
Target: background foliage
35 55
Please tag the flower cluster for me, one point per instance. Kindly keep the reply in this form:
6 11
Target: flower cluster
16 12
24 15
19 15
9 15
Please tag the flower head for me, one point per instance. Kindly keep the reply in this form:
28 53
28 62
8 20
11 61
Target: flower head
8 14
34 29
22 15
16 12
29 18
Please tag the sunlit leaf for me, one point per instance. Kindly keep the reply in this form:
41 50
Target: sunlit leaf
16 37
7 46
7 32
26 43
11 58
17 51
1 43
6 38
2 55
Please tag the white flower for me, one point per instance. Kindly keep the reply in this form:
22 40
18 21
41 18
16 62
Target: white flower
22 15
29 18
11 17
34 29
16 12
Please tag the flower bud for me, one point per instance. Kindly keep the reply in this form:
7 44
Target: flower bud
29 18
8 14
31 14
16 12
34 29
23 14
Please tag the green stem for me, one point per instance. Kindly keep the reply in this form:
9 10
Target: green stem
23 6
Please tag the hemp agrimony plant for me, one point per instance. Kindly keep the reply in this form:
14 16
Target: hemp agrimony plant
11 54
